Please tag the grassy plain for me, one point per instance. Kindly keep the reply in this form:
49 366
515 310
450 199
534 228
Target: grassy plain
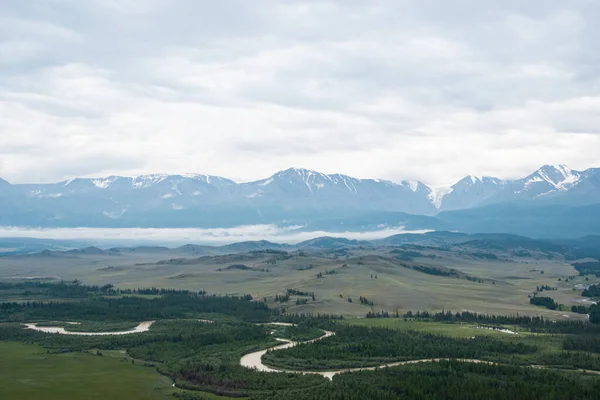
28 372
500 286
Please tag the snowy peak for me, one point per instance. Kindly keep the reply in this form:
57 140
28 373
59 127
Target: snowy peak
142 181
560 177
208 179
103 183
300 178
313 181
466 193
308 181
300 175
555 183
288 194
146 181
472 180
291 187
415 186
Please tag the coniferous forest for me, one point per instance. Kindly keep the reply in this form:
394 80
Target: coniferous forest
197 340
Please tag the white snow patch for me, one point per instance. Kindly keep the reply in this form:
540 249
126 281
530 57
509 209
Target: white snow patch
197 177
569 179
266 182
474 179
353 188
437 195
532 180
50 196
167 196
413 185
320 185
255 194
145 181
177 207
197 193
103 183
545 177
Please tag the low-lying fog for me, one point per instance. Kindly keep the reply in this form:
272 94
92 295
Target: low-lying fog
176 236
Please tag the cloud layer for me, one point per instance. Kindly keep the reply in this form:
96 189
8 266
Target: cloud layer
407 89
217 236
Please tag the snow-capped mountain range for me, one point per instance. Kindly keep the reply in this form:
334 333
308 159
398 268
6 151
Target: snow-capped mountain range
203 200
550 183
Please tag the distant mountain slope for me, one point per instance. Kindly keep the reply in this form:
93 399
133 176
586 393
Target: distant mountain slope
293 196
257 245
532 220
327 242
425 239
571 248
303 189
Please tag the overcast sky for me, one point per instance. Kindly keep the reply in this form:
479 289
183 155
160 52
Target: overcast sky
423 89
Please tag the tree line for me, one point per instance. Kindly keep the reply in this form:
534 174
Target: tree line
533 323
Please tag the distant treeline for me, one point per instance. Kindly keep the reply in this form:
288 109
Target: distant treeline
155 291
588 268
592 291
534 324
74 289
426 269
324 321
171 304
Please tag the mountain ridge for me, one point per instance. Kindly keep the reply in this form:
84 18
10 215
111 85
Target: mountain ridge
294 195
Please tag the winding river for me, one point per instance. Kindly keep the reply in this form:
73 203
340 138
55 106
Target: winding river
254 360
142 327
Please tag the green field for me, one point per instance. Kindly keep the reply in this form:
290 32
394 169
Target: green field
28 372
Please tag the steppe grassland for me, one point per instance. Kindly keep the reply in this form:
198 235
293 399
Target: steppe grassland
504 290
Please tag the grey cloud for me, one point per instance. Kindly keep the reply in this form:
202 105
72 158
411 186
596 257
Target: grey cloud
418 89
